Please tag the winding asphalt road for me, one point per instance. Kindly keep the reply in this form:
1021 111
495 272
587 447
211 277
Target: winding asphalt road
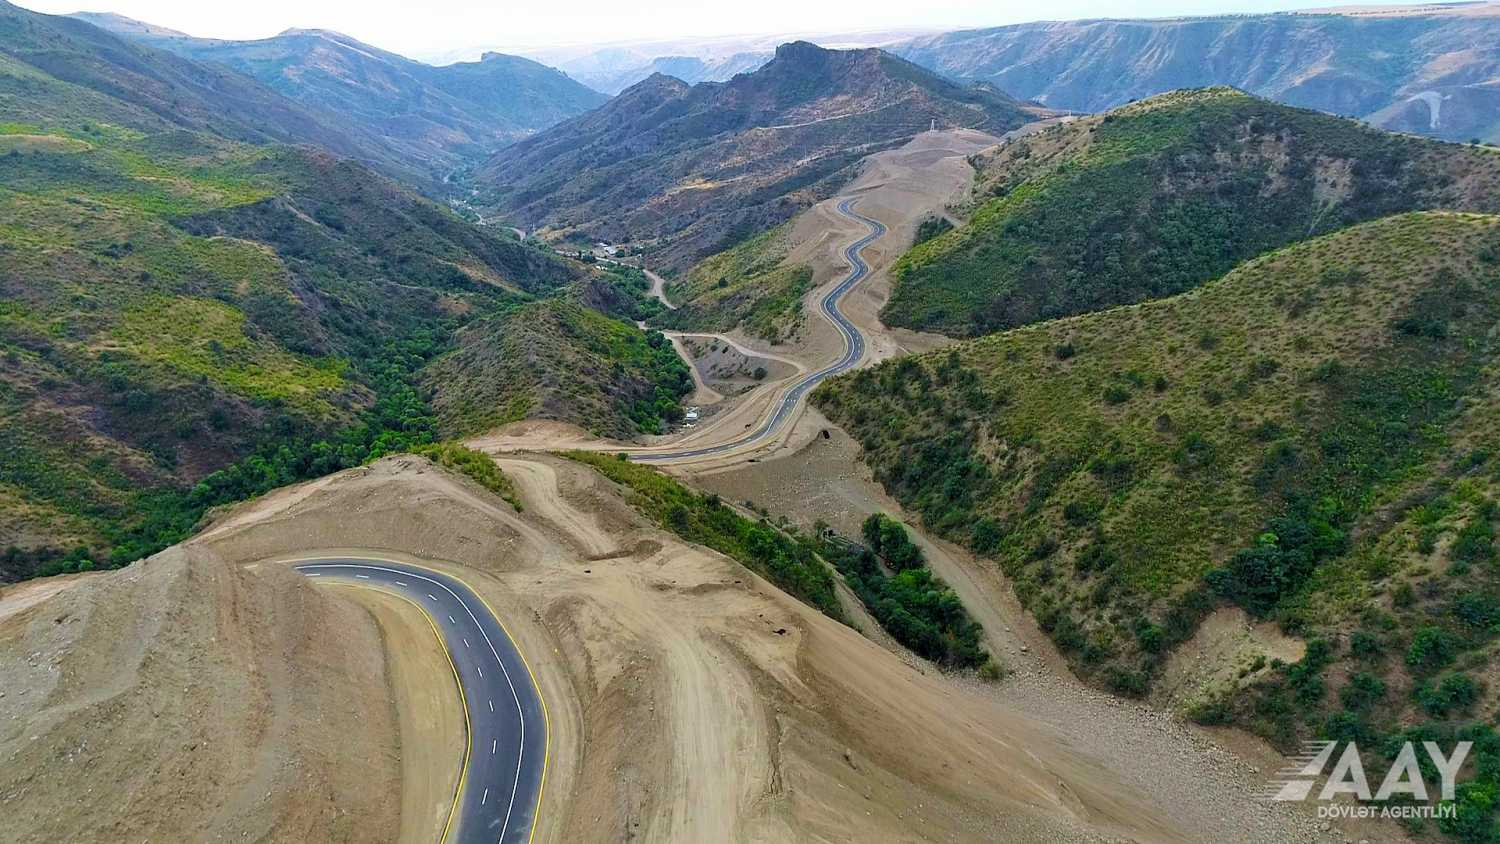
854 349
506 757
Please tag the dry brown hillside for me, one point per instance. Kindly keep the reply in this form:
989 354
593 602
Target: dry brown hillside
208 691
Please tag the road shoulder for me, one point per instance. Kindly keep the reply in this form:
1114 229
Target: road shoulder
428 708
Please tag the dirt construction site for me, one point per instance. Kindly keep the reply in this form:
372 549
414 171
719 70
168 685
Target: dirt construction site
211 693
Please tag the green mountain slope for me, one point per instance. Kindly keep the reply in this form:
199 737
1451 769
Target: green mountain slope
1311 437
556 359
1159 196
58 69
186 319
745 285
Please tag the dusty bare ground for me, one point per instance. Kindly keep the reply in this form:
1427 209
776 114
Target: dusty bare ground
730 369
193 694
429 712
187 699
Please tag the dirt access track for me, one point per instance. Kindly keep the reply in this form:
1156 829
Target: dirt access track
210 692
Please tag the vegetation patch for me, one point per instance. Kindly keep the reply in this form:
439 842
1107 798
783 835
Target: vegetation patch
705 520
746 286
480 467
555 359
1160 196
893 582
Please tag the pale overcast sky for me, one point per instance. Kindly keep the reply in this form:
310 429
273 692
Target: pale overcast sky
435 25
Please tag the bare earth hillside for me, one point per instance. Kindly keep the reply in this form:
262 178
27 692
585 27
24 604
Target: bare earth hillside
690 700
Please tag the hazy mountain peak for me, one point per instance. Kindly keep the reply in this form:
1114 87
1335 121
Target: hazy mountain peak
765 142
416 120
795 50
118 23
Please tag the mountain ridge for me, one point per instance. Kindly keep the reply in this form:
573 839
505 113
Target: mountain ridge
693 169
431 119
1161 195
1429 69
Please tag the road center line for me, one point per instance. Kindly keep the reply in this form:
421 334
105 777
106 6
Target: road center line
520 712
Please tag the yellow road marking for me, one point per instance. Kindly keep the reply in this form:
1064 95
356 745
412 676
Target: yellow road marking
546 718
463 773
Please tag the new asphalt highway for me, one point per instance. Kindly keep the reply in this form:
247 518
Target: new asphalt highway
505 761
854 349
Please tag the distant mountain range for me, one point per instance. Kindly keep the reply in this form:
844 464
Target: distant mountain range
1431 69
702 166
613 67
427 118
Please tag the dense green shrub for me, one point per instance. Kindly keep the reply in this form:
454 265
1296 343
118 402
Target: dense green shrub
1432 648
887 538
913 605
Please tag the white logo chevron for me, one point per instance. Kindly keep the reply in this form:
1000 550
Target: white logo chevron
1295 781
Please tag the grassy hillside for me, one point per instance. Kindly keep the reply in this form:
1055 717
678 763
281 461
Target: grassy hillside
556 359
743 286
1310 437
58 69
186 320
1157 197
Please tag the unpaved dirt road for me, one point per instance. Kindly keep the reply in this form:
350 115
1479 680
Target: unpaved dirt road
659 289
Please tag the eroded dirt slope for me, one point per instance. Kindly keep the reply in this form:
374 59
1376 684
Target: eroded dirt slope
210 690
188 699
